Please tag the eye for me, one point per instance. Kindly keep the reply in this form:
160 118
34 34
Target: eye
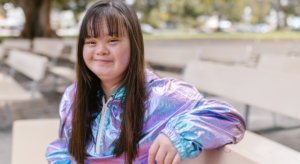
113 40
89 42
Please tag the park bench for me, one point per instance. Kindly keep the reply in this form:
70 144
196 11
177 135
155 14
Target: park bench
172 57
272 48
68 73
168 74
68 44
270 90
294 49
31 138
50 47
227 53
284 64
21 44
69 41
32 66
175 54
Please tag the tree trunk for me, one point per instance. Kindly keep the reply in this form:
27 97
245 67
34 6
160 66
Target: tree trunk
37 14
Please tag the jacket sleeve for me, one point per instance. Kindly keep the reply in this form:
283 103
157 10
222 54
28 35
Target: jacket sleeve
202 124
57 152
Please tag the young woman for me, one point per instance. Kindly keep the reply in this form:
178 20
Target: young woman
119 111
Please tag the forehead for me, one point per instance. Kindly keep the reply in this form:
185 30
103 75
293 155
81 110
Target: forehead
101 26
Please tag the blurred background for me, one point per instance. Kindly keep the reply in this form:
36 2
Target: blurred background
252 46
164 17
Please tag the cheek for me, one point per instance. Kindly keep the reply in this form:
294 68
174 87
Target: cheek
86 55
125 58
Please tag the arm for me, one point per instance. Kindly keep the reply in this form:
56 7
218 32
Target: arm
206 124
191 122
57 152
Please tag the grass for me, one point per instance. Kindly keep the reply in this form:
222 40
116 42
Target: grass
222 35
216 35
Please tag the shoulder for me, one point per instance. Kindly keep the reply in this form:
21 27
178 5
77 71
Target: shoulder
170 89
70 92
169 97
66 102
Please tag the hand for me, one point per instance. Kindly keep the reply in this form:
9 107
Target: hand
164 151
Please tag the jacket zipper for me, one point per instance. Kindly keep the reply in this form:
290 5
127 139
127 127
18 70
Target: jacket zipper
104 109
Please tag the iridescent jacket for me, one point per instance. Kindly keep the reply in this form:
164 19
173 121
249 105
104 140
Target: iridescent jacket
175 108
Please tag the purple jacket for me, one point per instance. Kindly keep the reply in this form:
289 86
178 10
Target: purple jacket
175 108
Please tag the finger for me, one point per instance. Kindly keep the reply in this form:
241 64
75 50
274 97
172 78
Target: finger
170 156
161 154
152 152
177 159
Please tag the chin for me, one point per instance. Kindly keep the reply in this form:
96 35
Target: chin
104 75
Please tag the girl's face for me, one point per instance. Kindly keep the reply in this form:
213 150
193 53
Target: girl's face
107 56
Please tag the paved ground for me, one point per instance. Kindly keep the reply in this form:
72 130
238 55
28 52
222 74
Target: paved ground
48 108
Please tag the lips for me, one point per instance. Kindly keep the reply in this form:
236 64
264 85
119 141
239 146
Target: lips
103 61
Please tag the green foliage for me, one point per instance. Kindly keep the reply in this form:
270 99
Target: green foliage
4 1
178 12
187 11
77 6
74 5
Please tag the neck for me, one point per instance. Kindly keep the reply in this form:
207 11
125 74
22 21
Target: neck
109 87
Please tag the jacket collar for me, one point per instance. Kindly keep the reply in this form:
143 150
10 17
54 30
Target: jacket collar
120 91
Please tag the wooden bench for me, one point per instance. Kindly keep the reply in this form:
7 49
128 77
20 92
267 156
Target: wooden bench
273 48
68 44
294 49
68 73
21 44
168 74
50 47
253 149
170 56
32 66
226 53
284 64
259 88
172 53
31 138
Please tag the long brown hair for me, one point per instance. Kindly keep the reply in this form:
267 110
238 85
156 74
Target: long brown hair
119 18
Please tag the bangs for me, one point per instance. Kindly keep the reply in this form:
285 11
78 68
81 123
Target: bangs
108 17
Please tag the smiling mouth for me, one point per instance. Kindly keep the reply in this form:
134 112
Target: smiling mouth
103 61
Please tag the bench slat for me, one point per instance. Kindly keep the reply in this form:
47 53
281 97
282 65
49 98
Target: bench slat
273 91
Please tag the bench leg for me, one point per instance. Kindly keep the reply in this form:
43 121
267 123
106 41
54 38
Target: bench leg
54 61
33 108
55 82
247 110
1 122
274 120
8 114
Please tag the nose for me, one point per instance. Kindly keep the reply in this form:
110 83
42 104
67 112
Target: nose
102 49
